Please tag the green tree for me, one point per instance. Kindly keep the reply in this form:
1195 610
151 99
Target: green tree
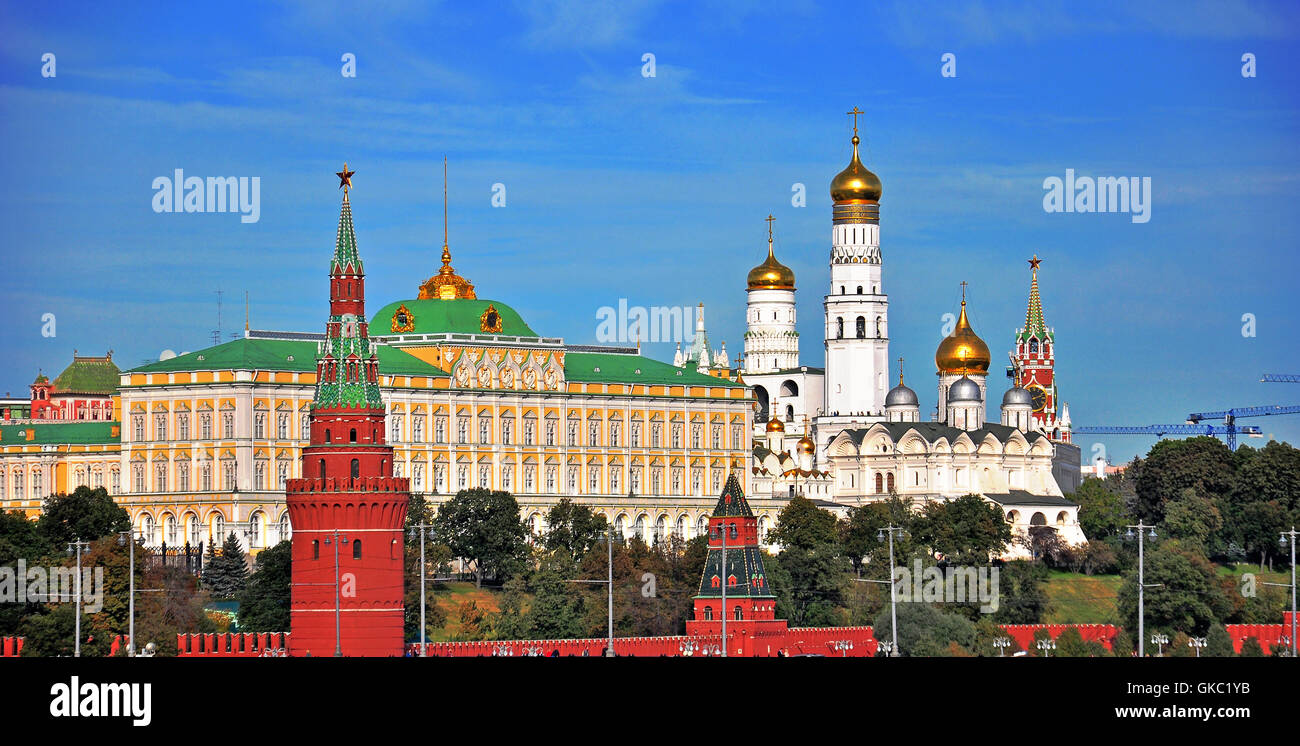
556 611
1187 595
803 525
1101 508
967 531
264 601
483 527
1192 518
1203 464
573 528
925 631
86 514
1218 643
813 565
226 574
1022 593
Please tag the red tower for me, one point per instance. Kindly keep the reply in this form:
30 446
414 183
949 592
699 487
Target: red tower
750 605
1034 366
348 510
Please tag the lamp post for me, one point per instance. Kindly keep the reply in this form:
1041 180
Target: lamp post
609 581
688 648
891 530
886 646
1002 643
841 645
76 546
1141 579
1047 646
338 600
1161 641
1196 643
122 539
419 529
1282 540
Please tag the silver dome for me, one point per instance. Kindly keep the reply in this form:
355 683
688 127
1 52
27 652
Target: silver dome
1017 396
901 396
964 390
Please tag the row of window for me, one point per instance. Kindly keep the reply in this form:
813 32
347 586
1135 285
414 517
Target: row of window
258 531
860 329
572 479
205 421
575 433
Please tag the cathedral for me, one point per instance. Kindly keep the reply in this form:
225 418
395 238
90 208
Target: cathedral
842 436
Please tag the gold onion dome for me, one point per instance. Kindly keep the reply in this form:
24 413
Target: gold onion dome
805 444
771 274
856 183
962 351
774 426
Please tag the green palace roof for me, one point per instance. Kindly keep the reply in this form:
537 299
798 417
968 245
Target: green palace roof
608 367
88 375
59 432
460 316
281 355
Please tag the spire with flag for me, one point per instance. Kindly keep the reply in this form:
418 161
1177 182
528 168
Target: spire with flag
1035 326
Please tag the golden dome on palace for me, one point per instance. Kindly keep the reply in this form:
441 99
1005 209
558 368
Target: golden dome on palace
771 275
856 183
774 425
963 351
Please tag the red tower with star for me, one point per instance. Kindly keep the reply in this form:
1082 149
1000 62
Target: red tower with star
1033 366
347 510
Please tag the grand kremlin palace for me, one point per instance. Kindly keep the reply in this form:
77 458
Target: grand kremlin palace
200 445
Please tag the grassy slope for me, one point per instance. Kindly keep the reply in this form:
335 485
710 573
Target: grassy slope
1082 599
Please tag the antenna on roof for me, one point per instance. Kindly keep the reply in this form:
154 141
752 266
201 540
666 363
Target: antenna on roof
245 313
216 333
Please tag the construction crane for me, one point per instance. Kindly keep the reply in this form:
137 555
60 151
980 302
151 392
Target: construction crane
1229 417
1280 378
1160 431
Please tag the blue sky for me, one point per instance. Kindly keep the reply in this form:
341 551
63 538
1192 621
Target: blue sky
655 189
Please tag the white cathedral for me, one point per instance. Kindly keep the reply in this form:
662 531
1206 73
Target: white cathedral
840 436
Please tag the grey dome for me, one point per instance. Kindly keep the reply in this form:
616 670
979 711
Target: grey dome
901 396
1017 396
964 390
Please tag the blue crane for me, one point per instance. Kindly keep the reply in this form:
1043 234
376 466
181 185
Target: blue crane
1229 417
1160 431
1280 378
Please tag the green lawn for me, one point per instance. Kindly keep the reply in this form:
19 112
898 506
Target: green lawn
1082 599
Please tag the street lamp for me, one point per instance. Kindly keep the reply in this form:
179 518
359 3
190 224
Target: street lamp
338 601
1282 540
688 648
419 529
891 530
886 646
1141 579
841 645
1162 641
130 634
1196 643
1002 643
1047 646
76 546
502 651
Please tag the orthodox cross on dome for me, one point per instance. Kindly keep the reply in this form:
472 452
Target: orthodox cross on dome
856 111
345 179
963 292
900 371
769 219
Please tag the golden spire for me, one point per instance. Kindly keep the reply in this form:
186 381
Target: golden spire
806 444
900 371
856 183
446 285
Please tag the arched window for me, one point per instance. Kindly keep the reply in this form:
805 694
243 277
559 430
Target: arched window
356 468
862 327
356 549
315 549
880 483
890 481
352 435
839 328
1033 346
708 613
327 435
878 322
322 468
736 614
859 290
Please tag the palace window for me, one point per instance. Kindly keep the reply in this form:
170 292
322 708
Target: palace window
529 432
439 476
183 426
530 478
137 423
227 425
614 429
550 479
717 437
656 435
573 434
259 475
259 425
484 431
205 477
550 432
656 480
484 476
507 429
717 480
677 481
697 435
507 477
417 429
697 480
172 532
114 481
439 429
735 436
160 478
286 530
593 435
228 474
614 478
676 436
282 426
636 479
417 477
462 430
462 476
636 434
593 479
573 479
160 427
205 426
306 426
281 473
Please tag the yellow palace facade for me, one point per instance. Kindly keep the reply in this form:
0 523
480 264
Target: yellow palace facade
204 442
